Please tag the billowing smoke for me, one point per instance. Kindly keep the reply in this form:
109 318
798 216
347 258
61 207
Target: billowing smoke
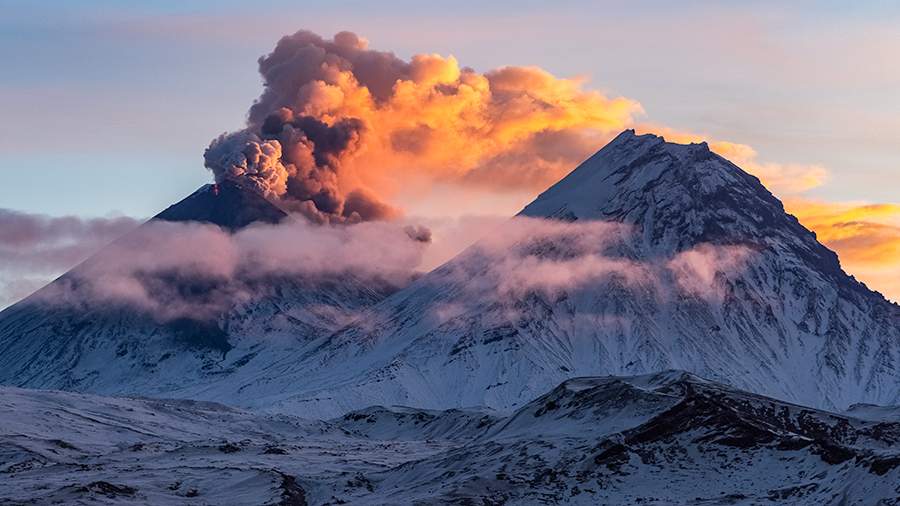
296 159
339 126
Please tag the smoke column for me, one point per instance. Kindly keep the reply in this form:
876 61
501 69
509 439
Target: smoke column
338 125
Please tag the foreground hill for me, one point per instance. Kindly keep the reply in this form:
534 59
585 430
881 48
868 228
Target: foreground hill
667 438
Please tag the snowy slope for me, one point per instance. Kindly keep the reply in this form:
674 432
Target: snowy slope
668 438
662 256
67 448
109 348
874 412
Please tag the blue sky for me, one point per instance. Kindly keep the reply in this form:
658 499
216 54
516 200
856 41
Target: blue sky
107 106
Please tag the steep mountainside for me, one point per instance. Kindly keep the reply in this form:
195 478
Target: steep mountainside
662 256
667 438
61 338
226 204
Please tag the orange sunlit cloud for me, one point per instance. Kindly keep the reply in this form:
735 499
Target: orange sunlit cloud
340 128
865 236
511 127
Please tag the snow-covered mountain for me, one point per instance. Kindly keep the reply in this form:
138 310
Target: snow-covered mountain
649 256
544 364
101 346
666 438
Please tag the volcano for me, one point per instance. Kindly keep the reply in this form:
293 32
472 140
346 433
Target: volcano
115 348
227 204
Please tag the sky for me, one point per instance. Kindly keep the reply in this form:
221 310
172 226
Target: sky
108 106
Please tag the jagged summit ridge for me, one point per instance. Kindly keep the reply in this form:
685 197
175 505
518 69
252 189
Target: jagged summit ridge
623 161
634 173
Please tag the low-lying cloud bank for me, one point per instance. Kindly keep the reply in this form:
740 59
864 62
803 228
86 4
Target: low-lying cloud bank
199 271
553 258
37 242
193 270
34 247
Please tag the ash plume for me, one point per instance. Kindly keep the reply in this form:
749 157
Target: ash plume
339 126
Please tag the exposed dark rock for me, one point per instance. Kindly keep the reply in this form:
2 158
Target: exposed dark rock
107 489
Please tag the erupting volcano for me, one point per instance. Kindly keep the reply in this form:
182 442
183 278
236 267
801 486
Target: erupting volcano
396 289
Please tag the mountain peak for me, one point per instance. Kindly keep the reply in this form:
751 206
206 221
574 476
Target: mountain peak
632 139
227 204
631 165
677 196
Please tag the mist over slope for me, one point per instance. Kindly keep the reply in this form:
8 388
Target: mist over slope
196 293
649 256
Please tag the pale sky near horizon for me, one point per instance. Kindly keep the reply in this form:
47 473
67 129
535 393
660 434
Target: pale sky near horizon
108 106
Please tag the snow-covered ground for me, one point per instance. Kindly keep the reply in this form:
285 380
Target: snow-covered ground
668 438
